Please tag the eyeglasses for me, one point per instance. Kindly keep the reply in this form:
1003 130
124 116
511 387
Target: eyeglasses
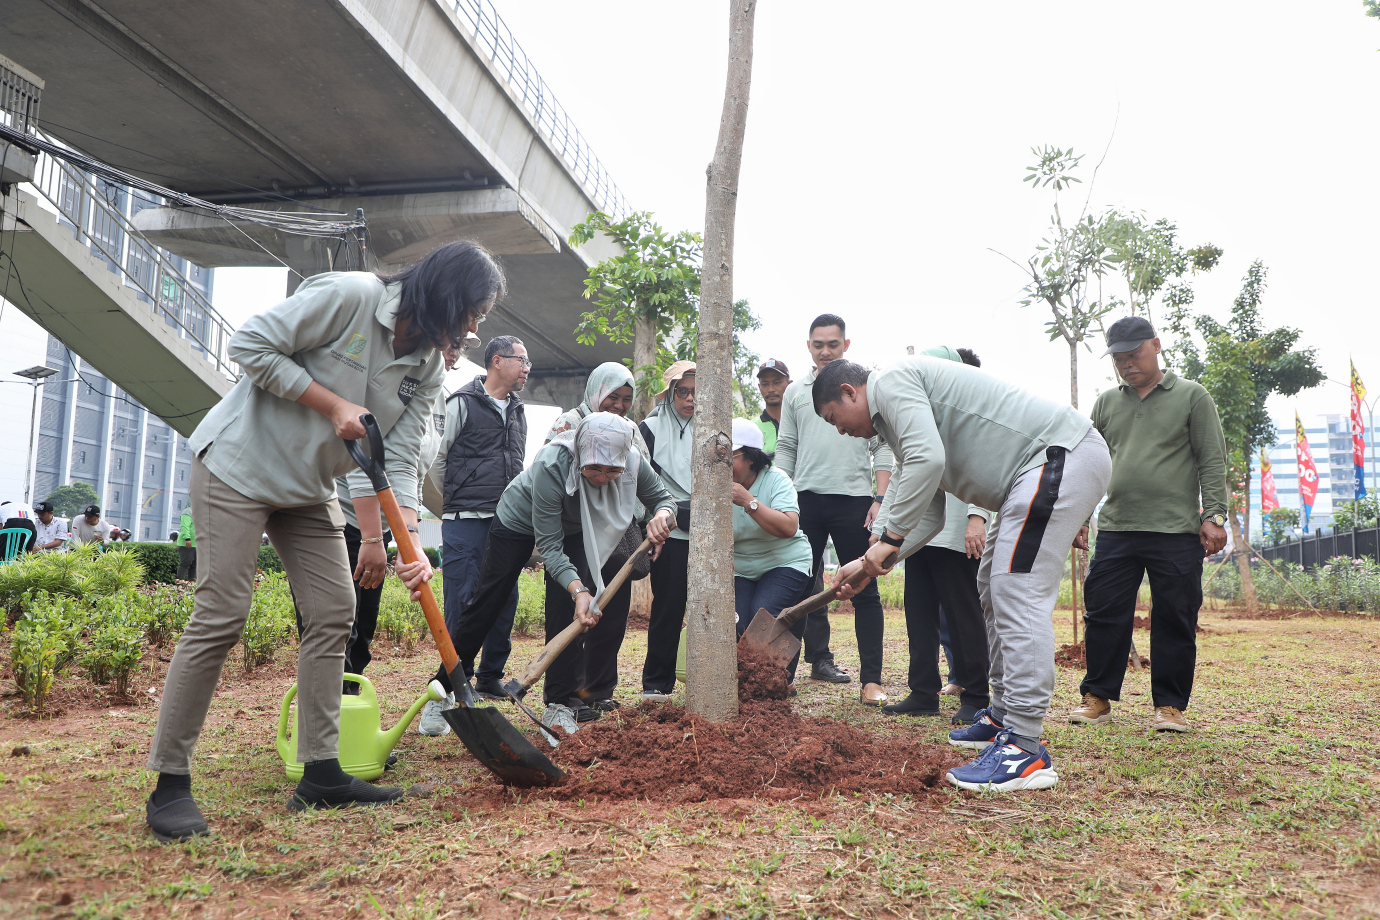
684 392
526 361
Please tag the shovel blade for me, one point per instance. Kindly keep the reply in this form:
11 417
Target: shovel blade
500 747
765 632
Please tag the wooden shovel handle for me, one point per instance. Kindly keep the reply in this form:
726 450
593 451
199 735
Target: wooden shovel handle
791 615
407 549
553 649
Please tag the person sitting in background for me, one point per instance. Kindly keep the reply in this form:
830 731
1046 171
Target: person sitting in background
19 516
573 504
51 529
89 528
773 567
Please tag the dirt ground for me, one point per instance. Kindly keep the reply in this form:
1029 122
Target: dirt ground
1268 808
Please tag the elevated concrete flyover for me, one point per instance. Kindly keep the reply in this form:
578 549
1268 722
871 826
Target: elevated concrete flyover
395 106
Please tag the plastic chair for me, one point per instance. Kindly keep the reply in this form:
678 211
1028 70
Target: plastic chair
12 542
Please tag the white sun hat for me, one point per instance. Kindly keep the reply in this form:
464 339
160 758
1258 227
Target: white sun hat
747 434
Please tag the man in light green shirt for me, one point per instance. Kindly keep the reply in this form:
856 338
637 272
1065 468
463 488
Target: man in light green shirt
186 546
955 429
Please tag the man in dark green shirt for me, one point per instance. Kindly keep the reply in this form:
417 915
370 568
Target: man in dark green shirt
1165 510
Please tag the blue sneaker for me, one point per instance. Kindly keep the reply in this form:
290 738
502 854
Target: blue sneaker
1005 767
981 733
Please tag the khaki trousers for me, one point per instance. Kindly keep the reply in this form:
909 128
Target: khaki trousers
310 540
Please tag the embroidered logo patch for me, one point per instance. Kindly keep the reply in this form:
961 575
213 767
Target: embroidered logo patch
440 421
407 388
356 346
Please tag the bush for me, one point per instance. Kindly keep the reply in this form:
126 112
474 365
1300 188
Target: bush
272 618
530 619
892 587
159 561
33 659
401 621
84 572
1343 584
170 609
269 563
114 654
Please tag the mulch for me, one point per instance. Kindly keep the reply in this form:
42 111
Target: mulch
1075 656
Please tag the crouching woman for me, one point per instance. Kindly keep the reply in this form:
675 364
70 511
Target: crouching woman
573 505
772 562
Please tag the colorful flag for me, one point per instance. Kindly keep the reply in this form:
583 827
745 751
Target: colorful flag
1269 499
1308 471
1358 432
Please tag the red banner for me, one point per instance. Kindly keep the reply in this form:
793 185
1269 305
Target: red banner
1358 432
1269 499
1308 470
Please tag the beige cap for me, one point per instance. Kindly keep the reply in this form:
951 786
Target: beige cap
673 373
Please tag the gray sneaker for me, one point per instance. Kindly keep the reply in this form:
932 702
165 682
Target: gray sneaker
655 696
432 722
556 715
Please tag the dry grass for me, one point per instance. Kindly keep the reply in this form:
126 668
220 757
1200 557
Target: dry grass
1267 809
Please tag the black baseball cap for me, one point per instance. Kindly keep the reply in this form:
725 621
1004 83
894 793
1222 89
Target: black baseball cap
1126 333
771 365
90 510
42 507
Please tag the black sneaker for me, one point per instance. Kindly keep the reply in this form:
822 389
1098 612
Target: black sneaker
913 705
605 705
967 714
356 792
825 670
490 689
586 713
177 820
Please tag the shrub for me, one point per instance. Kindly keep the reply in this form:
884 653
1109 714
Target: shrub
1343 584
114 654
269 563
83 572
530 619
270 623
33 659
892 586
401 620
159 561
170 609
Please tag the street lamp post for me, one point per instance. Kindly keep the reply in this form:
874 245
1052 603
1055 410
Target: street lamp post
35 375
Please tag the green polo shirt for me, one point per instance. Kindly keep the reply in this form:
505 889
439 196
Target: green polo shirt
1167 451
768 426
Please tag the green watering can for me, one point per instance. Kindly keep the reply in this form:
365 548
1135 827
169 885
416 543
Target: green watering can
364 745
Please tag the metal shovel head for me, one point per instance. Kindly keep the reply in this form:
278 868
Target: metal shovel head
765 632
498 745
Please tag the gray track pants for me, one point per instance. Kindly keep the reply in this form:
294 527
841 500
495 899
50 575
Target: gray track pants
311 542
1020 573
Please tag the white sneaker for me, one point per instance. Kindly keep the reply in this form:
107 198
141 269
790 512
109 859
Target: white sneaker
563 716
432 722
655 696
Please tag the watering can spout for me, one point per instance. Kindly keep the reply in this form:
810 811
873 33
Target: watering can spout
390 738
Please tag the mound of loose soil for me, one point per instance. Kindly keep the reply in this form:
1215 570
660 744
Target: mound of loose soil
1076 656
761 675
639 619
662 753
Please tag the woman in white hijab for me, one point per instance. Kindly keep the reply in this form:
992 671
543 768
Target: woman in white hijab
610 388
573 505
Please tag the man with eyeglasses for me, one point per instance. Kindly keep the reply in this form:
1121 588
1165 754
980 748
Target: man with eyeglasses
482 450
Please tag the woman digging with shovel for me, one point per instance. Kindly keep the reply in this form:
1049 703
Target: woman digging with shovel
573 504
265 459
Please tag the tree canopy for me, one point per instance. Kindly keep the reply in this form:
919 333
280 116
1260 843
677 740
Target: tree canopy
69 500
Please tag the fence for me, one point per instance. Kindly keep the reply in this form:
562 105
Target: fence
19 99
95 209
1318 548
492 35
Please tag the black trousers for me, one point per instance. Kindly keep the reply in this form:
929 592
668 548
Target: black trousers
186 562
935 578
587 670
670 573
357 655
505 553
1174 562
841 517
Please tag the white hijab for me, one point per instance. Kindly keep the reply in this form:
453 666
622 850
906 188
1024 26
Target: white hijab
606 511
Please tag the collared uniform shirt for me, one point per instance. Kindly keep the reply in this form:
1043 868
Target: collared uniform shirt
1169 458
337 330
819 459
47 533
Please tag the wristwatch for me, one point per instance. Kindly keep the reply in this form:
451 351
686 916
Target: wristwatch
1219 519
583 589
879 498
752 506
889 540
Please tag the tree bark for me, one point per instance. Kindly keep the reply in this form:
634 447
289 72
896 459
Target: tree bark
711 646
644 356
1242 551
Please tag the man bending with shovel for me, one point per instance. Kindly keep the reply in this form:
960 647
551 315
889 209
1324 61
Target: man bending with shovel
953 429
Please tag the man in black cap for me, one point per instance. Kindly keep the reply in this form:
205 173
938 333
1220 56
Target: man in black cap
772 380
90 528
51 530
1165 510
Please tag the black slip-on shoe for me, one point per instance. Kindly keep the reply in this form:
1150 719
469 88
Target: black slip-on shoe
825 670
606 705
177 820
913 705
356 792
967 714
586 713
490 689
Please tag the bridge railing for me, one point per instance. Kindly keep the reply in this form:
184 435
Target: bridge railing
96 210
19 100
492 35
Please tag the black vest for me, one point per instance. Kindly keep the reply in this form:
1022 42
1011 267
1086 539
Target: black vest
487 453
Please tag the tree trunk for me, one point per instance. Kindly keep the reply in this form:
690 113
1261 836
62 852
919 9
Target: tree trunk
1242 551
644 356
1073 374
711 646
